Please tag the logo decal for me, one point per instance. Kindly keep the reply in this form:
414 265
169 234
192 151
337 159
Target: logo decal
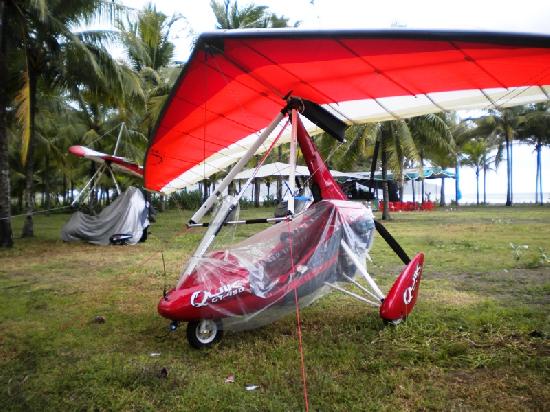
204 297
409 292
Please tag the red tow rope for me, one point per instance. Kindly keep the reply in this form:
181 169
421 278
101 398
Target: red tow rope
299 326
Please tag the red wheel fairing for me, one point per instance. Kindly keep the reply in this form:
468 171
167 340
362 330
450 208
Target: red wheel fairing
404 292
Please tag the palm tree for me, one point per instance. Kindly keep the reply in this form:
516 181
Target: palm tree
432 131
443 159
56 128
6 238
48 52
502 125
146 40
230 16
536 130
476 154
461 131
401 142
151 53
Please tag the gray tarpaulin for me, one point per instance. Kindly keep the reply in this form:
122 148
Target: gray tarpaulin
128 214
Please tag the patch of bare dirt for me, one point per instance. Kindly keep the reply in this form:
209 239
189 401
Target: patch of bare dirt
487 389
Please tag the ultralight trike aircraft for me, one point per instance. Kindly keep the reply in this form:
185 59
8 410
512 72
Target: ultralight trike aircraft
125 220
237 96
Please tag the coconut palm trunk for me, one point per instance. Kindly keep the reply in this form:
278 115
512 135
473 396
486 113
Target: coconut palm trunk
508 168
477 185
6 237
457 183
484 181
28 199
47 186
205 184
257 192
64 189
442 202
538 180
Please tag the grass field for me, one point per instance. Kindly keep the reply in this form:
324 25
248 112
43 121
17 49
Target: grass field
479 338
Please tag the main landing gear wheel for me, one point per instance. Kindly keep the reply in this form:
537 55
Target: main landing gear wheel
204 333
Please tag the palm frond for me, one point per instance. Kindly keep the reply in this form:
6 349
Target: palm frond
23 115
40 7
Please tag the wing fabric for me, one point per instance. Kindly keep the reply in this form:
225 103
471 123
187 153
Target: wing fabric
235 83
117 163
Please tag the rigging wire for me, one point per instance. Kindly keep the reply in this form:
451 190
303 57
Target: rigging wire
252 177
106 133
205 87
36 212
298 321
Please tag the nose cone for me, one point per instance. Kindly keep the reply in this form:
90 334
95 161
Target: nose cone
170 305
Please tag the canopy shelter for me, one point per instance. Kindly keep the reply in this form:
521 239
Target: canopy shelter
278 169
409 174
236 82
433 172
271 169
357 184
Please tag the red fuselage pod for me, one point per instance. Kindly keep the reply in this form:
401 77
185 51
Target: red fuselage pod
234 296
404 292
301 255
229 293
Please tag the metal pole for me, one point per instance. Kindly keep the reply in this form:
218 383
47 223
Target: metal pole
246 222
114 180
80 194
207 205
292 161
362 270
118 138
355 295
360 286
208 238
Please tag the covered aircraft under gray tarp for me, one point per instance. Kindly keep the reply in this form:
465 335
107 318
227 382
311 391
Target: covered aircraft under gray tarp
128 214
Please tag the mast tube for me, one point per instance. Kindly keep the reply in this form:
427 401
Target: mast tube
292 161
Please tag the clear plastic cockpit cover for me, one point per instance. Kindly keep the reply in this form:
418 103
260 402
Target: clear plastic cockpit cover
254 282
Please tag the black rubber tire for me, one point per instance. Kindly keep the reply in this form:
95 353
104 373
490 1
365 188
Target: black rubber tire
194 340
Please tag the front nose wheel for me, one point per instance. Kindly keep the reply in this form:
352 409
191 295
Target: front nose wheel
204 333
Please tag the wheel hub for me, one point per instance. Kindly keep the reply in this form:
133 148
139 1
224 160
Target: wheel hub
206 331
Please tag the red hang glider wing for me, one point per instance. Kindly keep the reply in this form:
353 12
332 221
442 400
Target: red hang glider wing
235 82
119 164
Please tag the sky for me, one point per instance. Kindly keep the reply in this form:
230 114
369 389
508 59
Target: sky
532 16
522 16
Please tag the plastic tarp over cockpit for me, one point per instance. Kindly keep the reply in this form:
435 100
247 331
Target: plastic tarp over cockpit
128 214
252 283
